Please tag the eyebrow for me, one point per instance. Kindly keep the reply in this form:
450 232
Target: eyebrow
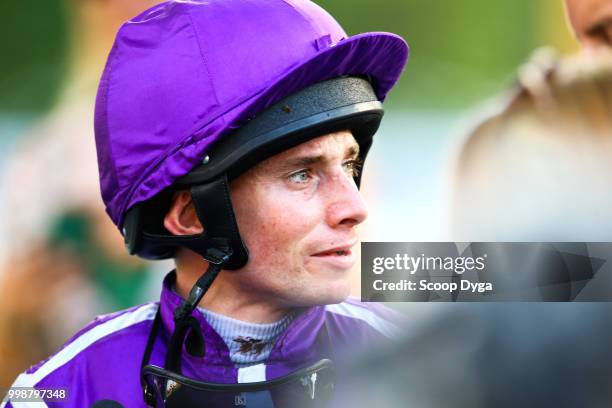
351 152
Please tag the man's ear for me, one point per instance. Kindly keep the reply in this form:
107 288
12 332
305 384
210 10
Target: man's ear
181 218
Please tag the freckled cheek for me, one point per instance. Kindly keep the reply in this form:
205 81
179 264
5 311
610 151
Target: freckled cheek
283 228
280 231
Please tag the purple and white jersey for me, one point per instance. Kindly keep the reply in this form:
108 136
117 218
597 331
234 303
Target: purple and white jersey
103 360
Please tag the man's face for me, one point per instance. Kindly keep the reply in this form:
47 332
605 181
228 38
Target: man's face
297 213
591 21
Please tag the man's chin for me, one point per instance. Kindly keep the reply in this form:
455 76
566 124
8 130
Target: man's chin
332 293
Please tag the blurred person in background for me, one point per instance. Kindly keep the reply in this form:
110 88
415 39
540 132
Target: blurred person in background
57 242
540 168
535 167
544 142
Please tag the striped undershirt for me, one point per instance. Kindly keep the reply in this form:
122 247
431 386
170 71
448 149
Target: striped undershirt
248 343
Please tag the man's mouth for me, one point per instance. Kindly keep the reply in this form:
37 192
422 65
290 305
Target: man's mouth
344 251
340 257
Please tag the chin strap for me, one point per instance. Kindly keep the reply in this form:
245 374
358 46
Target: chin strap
214 208
213 205
185 324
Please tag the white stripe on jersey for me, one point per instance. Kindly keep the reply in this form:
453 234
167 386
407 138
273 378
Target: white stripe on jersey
145 312
366 315
254 373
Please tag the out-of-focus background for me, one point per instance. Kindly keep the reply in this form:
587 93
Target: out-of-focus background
62 261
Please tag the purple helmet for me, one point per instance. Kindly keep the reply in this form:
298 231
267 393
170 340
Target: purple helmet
226 83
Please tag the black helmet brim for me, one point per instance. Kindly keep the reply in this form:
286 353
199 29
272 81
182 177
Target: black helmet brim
347 103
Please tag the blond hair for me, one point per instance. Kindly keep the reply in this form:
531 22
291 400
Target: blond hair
543 159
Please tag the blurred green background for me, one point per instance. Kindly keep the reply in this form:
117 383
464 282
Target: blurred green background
34 47
462 51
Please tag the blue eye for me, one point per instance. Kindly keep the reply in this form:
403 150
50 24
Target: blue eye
301 177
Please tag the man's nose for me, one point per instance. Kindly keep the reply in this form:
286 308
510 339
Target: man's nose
346 205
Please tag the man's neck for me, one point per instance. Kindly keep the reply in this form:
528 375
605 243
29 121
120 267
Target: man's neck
248 343
225 296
